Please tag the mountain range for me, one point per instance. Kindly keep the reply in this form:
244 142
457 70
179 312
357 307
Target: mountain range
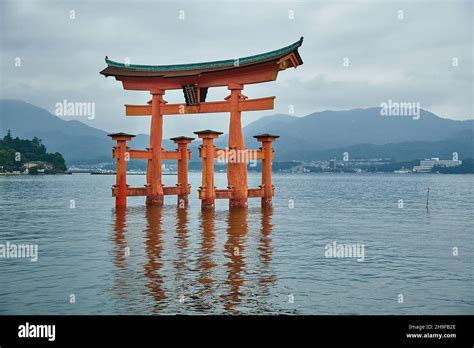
363 133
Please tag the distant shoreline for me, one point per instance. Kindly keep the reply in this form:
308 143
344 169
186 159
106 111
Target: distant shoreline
312 173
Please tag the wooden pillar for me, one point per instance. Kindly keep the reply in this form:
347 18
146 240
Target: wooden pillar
207 150
237 171
267 148
155 189
184 156
120 151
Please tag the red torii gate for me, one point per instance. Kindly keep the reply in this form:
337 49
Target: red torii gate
194 80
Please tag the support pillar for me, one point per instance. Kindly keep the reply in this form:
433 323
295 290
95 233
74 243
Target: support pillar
207 150
184 156
155 186
237 169
267 148
120 152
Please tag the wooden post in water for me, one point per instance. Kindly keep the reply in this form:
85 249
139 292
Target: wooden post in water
184 156
155 195
207 192
267 148
120 152
427 197
237 170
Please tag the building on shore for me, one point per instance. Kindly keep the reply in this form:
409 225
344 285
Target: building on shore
427 165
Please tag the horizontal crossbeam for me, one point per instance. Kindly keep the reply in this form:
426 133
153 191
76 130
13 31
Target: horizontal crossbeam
227 193
238 156
170 155
139 154
147 154
131 191
202 108
142 191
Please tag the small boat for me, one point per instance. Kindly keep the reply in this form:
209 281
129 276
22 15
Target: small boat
402 171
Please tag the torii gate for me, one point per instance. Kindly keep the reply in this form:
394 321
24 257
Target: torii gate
195 80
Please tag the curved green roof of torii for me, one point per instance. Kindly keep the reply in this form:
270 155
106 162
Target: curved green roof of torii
208 65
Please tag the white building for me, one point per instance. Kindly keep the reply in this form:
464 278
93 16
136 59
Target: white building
427 164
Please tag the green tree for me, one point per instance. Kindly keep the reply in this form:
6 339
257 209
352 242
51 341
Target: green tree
5 160
8 137
30 150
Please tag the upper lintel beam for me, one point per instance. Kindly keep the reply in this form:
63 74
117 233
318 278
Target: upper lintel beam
203 108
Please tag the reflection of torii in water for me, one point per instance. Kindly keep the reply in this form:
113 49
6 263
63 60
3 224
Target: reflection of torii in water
120 226
205 262
153 250
237 228
154 247
182 263
266 277
234 253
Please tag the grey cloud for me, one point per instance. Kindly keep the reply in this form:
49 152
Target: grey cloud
407 59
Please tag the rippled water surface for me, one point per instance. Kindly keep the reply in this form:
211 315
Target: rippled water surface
149 260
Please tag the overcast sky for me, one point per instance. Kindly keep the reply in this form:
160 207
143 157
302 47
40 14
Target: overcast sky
398 50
